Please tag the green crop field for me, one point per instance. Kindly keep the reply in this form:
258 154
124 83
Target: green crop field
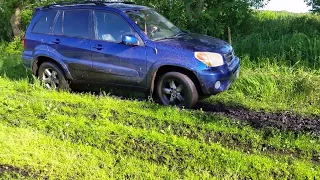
267 126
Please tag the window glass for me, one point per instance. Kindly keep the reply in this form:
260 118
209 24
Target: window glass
111 27
154 25
58 25
76 23
44 24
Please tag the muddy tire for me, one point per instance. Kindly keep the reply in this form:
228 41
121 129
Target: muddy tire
176 89
52 77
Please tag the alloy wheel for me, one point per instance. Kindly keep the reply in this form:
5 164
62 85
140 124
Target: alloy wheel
173 92
50 79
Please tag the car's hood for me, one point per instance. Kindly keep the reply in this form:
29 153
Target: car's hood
196 42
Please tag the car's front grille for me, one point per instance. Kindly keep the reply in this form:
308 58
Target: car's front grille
229 56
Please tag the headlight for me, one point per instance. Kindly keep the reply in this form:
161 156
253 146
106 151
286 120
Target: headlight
209 59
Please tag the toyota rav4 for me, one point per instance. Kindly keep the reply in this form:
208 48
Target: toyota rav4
126 45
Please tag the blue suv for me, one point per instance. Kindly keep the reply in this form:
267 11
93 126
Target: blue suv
126 45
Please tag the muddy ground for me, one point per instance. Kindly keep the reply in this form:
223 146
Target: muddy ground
12 170
281 120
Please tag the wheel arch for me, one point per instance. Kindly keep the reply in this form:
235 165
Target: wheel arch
173 68
42 58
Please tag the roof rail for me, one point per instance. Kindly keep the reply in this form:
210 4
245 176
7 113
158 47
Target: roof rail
98 3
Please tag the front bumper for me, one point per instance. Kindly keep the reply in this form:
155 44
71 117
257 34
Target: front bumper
219 79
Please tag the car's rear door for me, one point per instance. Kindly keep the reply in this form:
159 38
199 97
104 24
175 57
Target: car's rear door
112 61
72 40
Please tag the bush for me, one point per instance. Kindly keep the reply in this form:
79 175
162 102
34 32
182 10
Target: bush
5 30
282 37
15 46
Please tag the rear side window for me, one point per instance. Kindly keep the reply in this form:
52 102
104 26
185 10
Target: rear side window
45 22
76 23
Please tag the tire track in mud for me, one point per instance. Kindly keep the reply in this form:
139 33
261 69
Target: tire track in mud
208 136
14 170
281 120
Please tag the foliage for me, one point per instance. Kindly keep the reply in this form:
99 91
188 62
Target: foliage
10 63
15 46
315 5
282 38
5 30
209 17
204 16
7 11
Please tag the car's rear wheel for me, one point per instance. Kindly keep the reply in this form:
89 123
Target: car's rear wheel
52 77
176 89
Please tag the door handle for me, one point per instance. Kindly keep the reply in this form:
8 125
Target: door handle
98 47
57 41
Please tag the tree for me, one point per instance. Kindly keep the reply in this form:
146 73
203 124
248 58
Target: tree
12 9
314 4
210 17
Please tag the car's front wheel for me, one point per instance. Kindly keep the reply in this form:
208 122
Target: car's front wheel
177 89
52 77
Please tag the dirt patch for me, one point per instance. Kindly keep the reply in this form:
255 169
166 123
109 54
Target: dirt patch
202 134
281 120
17 173
11 169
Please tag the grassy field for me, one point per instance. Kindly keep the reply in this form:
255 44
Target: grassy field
62 135
68 135
65 135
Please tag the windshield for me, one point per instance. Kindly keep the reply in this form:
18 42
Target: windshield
154 25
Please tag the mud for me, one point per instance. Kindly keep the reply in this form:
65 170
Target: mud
11 169
281 120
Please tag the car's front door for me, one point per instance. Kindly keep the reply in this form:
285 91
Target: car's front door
112 61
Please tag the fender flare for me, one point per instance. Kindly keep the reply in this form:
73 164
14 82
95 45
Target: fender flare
154 70
54 57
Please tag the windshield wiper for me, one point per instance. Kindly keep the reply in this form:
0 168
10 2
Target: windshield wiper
167 37
180 34
173 37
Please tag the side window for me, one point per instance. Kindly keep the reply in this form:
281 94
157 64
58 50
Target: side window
45 23
76 23
111 27
58 25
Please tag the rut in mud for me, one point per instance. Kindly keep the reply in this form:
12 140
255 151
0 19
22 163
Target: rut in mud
281 120
11 169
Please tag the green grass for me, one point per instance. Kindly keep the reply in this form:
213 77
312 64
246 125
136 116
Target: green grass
288 39
45 157
173 143
296 49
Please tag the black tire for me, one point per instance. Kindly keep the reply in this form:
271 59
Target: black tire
57 77
184 94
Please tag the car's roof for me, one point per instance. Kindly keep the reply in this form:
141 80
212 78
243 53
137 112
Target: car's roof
119 6
126 7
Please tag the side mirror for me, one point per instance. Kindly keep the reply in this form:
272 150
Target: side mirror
130 40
